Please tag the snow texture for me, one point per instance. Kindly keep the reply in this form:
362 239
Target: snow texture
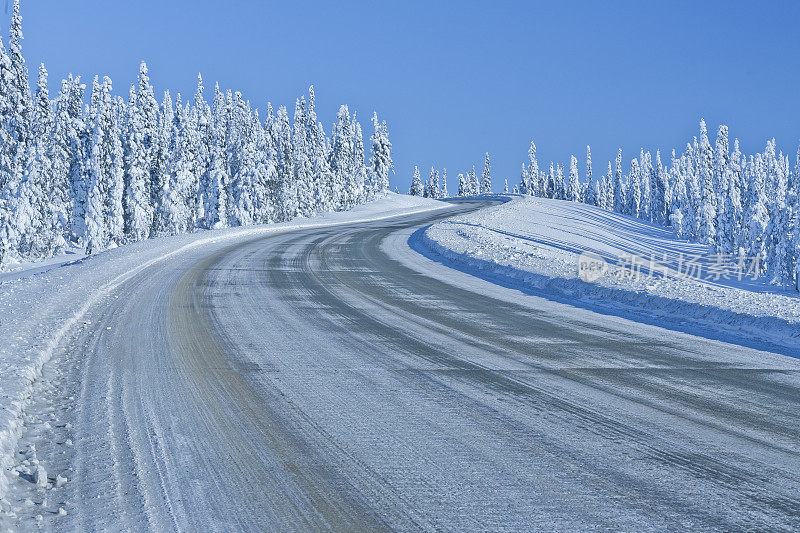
533 244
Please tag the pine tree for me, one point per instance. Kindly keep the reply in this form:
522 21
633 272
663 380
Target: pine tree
463 186
115 219
778 252
532 177
416 184
60 143
678 200
204 135
147 107
444 193
560 184
99 169
505 186
721 169
474 182
660 202
619 185
707 230
342 152
381 155
733 202
588 179
164 199
551 183
51 206
573 191
304 179
757 217
607 190
634 188
646 179
486 176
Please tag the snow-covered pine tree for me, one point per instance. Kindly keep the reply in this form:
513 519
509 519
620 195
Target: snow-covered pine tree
204 133
707 216
136 171
360 167
532 182
560 183
216 181
605 198
287 193
60 142
242 164
757 216
304 178
19 172
550 183
679 201
341 158
486 176
721 169
179 183
619 185
647 179
115 219
416 184
660 201
381 155
265 174
588 177
474 182
595 192
432 185
443 192
463 187
166 210
573 192
733 202
505 186
99 168
147 107
51 205
634 188
779 255
79 140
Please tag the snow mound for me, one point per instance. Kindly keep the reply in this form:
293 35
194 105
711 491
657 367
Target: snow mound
534 244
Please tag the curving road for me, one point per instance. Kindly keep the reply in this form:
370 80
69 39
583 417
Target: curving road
331 379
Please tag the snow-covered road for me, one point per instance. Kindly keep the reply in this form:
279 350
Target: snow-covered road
331 378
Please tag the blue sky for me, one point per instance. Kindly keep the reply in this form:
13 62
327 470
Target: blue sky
457 79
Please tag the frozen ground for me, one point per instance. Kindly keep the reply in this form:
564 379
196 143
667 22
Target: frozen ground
331 378
533 244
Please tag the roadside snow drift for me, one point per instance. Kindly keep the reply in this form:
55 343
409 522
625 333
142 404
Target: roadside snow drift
534 244
41 303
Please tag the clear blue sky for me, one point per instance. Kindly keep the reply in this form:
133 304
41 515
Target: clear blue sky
456 79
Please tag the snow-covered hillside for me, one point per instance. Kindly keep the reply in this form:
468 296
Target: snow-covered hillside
41 305
535 244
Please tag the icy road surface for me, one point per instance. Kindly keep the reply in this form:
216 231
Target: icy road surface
333 379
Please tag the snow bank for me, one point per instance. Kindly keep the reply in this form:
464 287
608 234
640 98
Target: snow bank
41 303
533 244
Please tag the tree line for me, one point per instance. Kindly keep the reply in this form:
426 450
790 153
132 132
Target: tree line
114 171
740 205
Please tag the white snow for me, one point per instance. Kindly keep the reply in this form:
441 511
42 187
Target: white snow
40 304
533 244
